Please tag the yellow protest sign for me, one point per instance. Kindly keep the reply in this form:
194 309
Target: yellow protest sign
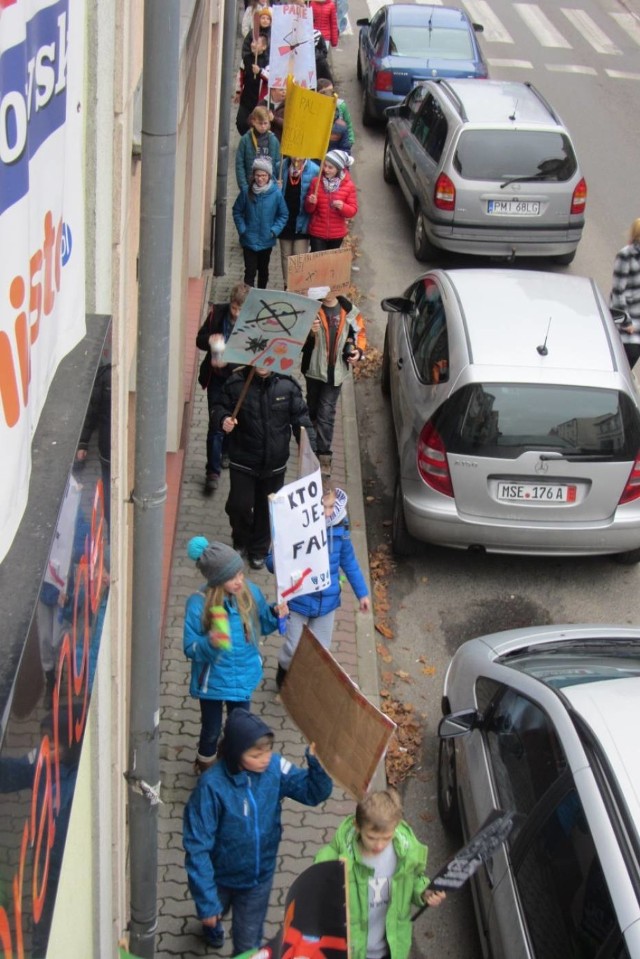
308 118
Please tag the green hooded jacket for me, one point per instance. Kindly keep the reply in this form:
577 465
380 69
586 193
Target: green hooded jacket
407 886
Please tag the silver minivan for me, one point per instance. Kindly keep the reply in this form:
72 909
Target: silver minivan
516 416
542 723
488 168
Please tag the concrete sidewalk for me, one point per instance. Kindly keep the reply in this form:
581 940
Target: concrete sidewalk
305 830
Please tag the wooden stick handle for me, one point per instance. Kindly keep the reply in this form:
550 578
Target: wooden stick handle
245 390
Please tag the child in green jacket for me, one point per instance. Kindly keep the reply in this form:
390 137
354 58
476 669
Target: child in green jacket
386 873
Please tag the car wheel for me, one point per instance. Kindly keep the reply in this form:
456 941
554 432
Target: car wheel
448 788
368 119
359 68
628 559
565 258
385 369
422 248
402 542
388 172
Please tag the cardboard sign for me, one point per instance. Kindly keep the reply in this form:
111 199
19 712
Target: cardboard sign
292 49
270 330
350 734
330 268
315 917
478 850
299 537
308 118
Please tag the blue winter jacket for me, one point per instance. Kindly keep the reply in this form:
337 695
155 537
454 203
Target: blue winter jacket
225 674
310 170
232 824
260 218
341 556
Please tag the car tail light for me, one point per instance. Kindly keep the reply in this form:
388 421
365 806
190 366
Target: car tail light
579 198
432 460
444 194
632 487
383 81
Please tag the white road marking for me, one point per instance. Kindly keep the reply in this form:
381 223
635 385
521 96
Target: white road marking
571 68
622 75
541 27
629 24
518 64
481 12
591 32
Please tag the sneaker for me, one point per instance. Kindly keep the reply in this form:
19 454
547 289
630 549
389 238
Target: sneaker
211 482
214 936
225 461
281 675
256 562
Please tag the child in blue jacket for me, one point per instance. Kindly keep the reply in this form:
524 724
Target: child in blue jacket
260 215
224 668
318 610
232 827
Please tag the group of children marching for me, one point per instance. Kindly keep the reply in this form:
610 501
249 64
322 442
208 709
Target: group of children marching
232 822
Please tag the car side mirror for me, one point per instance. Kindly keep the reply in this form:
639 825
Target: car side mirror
478 27
396 304
459 724
362 22
401 110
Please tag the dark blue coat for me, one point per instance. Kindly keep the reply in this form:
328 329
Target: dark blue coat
232 824
260 218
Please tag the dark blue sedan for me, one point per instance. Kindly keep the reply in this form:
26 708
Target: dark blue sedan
404 44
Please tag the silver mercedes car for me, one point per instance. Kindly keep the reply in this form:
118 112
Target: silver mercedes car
541 723
517 418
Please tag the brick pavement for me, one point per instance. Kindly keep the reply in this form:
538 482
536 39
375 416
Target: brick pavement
305 830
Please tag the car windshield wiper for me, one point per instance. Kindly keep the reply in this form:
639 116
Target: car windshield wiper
582 456
547 170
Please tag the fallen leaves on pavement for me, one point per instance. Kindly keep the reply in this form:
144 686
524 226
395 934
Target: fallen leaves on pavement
404 748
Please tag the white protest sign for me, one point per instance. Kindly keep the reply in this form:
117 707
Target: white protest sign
299 533
271 330
291 47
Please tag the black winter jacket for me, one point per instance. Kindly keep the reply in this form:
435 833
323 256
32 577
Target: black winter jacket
273 407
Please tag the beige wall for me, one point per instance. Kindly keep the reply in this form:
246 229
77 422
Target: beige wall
94 896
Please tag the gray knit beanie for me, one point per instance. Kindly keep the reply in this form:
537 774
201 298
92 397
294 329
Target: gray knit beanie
263 163
216 561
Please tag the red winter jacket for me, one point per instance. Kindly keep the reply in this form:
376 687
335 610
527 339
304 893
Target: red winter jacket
325 222
325 20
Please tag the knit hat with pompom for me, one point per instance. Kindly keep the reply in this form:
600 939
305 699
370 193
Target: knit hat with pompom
217 562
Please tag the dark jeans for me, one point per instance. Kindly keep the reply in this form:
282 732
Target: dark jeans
217 440
322 400
249 908
256 261
248 510
317 244
211 716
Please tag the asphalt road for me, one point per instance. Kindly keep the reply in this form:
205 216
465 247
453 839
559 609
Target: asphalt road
439 598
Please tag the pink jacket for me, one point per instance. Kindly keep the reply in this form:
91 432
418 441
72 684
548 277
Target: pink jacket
325 20
325 222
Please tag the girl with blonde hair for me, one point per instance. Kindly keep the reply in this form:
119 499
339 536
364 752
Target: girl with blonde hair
222 627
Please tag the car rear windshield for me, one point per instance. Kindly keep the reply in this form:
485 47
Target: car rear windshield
511 154
413 41
506 420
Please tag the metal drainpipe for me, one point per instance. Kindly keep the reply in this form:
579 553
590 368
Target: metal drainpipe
227 87
159 134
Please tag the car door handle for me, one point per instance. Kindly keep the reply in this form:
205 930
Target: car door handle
415 167
400 363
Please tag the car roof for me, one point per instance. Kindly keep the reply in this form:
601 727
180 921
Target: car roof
611 709
412 13
508 314
501 101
